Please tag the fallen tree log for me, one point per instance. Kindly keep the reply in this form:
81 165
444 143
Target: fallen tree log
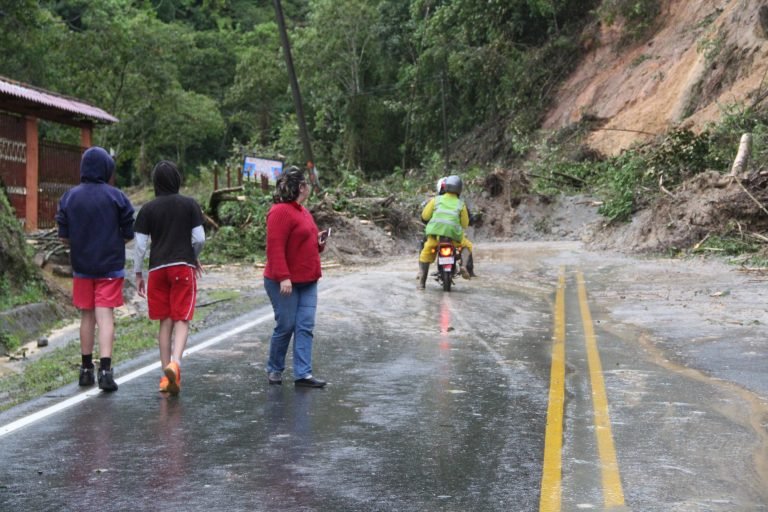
742 156
219 196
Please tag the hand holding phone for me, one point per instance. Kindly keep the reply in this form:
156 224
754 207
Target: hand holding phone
324 235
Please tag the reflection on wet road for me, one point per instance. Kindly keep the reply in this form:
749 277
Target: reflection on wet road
437 401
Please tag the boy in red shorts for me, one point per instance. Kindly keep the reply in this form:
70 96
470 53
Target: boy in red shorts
174 224
96 220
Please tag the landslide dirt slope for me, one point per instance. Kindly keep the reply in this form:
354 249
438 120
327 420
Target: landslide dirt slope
702 56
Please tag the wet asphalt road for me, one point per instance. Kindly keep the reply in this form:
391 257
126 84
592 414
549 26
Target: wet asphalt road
436 402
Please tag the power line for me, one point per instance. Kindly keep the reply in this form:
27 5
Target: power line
373 91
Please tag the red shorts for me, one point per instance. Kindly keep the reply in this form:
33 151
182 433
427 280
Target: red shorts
171 293
89 293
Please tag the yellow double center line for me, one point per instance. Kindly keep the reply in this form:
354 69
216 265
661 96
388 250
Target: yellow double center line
551 481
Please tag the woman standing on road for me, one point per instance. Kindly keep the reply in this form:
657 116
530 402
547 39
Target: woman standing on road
290 278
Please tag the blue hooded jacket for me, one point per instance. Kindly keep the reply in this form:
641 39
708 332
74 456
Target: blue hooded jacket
96 218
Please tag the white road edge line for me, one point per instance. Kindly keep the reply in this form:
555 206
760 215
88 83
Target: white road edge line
69 402
66 404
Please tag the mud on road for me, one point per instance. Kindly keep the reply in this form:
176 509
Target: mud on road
701 321
700 312
683 354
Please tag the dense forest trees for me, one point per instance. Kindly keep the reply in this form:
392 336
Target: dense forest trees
385 83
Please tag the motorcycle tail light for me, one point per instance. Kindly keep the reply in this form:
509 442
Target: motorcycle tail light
446 251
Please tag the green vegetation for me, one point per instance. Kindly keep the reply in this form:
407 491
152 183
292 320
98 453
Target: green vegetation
135 335
242 236
23 293
222 295
9 341
385 85
61 366
736 247
20 280
211 82
729 245
639 60
16 268
632 179
637 15
710 48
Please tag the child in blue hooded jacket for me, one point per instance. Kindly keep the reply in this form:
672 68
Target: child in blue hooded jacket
96 220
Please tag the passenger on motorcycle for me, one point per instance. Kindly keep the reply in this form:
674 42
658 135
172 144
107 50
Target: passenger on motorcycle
446 215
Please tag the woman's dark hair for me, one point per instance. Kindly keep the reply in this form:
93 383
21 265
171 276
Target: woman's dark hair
288 184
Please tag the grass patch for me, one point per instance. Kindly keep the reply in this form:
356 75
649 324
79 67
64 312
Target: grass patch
222 295
760 262
730 245
134 336
26 293
9 342
61 366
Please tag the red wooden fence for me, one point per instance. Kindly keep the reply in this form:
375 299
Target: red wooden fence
59 169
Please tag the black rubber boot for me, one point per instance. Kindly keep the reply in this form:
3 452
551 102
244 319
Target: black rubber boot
471 265
423 271
464 261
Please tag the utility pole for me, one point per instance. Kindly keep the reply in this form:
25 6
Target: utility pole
303 132
445 123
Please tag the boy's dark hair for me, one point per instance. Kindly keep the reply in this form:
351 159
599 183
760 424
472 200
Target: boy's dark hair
166 178
288 184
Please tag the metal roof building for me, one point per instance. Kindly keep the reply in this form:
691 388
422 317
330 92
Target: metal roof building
28 100
36 172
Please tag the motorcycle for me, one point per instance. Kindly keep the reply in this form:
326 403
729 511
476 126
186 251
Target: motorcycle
448 262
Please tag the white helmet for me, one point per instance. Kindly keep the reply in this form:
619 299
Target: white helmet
441 186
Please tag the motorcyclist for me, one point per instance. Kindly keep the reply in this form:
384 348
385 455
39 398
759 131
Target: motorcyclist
446 215
465 242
